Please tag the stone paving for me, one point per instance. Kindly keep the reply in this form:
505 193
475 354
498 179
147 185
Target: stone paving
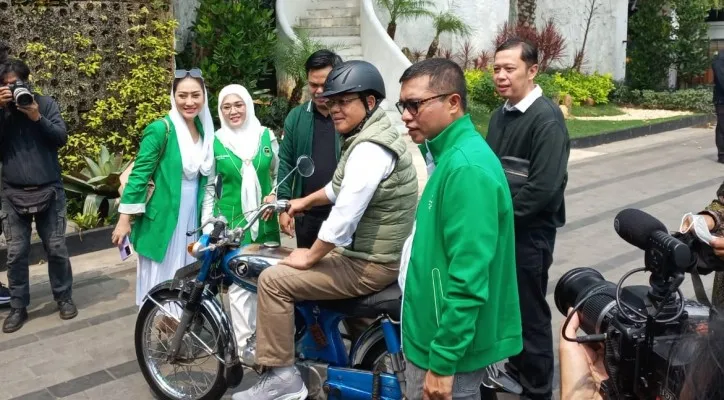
92 356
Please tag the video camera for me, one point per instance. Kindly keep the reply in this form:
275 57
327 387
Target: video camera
644 328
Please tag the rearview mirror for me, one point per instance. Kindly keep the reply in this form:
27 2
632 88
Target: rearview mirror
305 166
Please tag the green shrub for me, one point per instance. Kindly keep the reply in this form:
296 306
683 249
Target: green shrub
696 100
233 42
649 46
691 46
481 88
271 112
579 86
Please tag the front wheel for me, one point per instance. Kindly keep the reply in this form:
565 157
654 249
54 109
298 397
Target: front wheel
197 371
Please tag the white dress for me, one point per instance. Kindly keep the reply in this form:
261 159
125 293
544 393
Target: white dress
150 273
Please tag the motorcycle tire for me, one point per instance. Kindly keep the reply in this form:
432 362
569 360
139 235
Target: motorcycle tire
218 387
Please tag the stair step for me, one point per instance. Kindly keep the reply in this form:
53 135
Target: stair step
329 4
345 40
328 22
350 50
334 31
333 12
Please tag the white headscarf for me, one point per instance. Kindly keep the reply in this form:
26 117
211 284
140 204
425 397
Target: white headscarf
194 162
244 142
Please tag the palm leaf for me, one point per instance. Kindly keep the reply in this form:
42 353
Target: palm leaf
451 23
73 184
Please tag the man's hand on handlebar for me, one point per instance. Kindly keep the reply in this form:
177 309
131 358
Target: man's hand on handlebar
297 206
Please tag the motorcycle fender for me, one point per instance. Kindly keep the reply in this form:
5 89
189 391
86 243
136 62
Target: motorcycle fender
369 338
214 308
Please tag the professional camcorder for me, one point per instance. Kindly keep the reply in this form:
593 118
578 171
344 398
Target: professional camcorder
21 93
646 330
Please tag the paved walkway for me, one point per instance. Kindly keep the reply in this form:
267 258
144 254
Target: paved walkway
92 357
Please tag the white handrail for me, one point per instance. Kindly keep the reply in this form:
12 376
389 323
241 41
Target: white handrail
379 49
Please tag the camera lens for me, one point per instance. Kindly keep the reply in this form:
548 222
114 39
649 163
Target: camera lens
597 310
23 97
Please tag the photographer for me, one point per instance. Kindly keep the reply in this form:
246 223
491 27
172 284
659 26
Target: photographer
31 132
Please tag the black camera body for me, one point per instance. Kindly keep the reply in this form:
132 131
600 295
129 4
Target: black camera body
648 332
22 96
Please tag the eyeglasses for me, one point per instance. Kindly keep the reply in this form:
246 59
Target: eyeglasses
413 106
182 73
340 102
228 107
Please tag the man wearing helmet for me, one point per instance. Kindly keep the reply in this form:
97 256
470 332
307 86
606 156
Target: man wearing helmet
357 251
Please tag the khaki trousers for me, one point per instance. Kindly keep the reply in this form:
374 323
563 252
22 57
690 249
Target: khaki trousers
334 277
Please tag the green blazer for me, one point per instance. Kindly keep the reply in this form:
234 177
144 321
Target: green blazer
297 141
153 229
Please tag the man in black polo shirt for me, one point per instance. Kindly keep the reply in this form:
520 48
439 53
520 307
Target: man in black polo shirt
309 130
529 135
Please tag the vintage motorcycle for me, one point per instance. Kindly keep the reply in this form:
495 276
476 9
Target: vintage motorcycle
185 344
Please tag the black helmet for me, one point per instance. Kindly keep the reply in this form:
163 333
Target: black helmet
355 76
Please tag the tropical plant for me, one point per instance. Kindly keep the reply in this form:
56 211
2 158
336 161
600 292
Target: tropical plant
648 49
98 182
401 10
291 55
580 54
549 40
691 47
233 42
443 22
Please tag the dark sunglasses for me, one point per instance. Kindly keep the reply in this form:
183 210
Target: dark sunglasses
413 106
182 73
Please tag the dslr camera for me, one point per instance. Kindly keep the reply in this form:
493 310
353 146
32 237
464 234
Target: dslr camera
646 331
21 93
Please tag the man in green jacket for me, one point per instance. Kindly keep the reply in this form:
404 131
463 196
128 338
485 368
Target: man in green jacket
460 309
309 130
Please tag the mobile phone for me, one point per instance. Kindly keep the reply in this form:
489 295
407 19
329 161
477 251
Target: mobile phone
125 248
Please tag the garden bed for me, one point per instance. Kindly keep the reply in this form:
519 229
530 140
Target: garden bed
78 243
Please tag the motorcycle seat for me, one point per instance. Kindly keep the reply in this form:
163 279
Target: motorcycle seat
387 301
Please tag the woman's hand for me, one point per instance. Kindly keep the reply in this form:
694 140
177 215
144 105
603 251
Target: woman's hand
123 228
268 200
582 369
286 223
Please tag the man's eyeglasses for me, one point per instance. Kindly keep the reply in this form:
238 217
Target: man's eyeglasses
182 73
413 106
340 102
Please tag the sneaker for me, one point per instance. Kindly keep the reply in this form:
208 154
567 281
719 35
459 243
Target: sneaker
276 384
67 309
4 295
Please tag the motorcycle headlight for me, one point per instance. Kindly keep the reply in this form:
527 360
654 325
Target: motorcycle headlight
193 249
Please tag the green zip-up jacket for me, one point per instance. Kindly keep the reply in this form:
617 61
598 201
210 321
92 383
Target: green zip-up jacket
153 229
297 141
461 309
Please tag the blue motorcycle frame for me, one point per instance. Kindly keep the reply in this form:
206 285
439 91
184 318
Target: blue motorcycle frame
320 342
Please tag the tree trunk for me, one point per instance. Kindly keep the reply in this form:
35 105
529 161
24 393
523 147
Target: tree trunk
391 28
296 94
526 13
432 50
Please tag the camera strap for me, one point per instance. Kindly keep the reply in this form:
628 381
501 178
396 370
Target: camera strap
699 288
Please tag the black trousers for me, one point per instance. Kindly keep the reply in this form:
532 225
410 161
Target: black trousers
533 367
719 132
50 225
307 228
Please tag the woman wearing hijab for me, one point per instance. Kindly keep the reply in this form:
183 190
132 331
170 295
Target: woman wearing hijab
176 155
247 160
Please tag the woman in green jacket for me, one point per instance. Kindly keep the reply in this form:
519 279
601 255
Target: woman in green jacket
247 161
176 154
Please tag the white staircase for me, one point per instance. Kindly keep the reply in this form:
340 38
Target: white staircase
335 23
